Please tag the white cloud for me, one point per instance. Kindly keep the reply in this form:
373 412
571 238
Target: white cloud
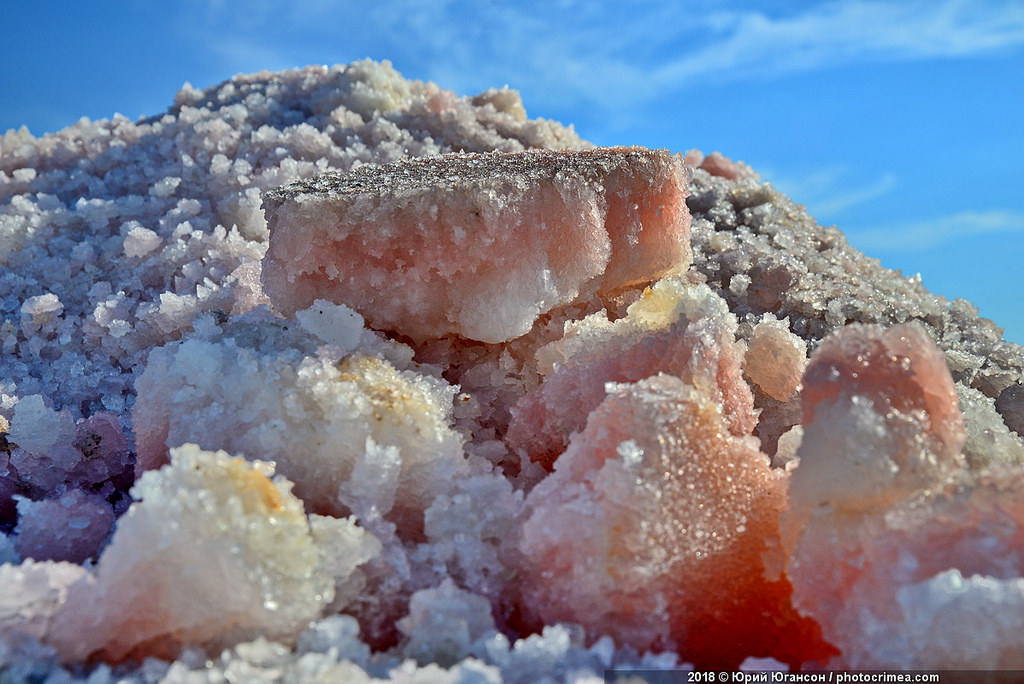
750 44
631 51
828 193
612 55
922 235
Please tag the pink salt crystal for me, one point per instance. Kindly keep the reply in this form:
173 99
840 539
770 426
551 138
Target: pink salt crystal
676 328
882 438
248 288
651 530
775 358
881 418
718 164
881 586
478 245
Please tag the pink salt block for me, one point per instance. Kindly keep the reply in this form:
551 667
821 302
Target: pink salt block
652 527
477 245
881 418
876 517
933 583
717 164
677 327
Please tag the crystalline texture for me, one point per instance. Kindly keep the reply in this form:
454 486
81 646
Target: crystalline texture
880 416
238 561
651 529
675 327
286 389
478 245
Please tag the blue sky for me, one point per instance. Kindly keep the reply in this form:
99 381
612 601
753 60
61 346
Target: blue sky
900 121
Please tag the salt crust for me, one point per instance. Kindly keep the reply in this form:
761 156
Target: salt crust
480 245
133 306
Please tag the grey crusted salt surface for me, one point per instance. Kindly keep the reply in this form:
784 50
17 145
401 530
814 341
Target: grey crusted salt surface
133 320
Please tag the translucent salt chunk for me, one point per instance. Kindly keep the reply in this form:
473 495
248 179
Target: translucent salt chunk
478 245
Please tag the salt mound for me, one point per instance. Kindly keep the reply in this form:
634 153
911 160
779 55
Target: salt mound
536 410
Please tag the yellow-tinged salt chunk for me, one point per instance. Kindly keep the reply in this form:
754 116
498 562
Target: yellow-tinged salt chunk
214 552
676 327
776 358
478 245
261 392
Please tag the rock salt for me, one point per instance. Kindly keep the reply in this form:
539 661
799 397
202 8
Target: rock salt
239 561
133 316
479 245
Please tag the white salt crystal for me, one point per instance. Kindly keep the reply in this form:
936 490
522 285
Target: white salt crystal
140 241
40 310
443 622
630 452
31 594
240 541
165 187
753 664
962 623
36 428
333 323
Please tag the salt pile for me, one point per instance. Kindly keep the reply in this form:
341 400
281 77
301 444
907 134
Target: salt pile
327 375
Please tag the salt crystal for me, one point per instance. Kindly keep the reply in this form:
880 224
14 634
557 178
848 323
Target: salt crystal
648 552
776 358
37 428
333 323
39 312
478 244
71 528
335 405
881 418
240 540
32 593
443 622
154 231
140 241
676 327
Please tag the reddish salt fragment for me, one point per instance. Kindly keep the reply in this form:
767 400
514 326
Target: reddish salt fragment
718 164
876 519
881 418
651 529
676 327
933 583
478 245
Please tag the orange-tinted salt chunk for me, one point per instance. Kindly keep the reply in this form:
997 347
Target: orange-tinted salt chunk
652 528
881 418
